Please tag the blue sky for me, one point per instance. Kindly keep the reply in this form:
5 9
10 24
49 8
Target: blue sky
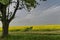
47 12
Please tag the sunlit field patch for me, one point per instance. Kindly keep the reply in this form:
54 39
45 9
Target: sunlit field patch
35 28
47 27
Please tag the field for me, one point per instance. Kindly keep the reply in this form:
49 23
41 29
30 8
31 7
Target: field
38 32
31 36
37 27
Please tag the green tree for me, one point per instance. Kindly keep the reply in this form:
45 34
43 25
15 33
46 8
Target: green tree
7 17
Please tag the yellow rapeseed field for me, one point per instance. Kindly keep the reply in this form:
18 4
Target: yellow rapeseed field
46 27
36 27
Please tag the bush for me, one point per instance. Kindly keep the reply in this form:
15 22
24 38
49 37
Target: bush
28 29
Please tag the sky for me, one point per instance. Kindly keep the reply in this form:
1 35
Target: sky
47 12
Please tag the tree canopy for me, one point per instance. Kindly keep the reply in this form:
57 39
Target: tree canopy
5 2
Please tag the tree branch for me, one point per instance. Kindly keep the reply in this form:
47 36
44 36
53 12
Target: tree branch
12 17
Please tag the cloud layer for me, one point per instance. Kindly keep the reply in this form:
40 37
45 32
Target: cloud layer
48 16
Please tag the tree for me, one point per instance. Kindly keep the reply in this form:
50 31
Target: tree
7 17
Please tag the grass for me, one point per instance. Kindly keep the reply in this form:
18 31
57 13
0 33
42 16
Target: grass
31 36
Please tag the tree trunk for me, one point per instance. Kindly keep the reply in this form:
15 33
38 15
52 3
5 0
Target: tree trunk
5 22
5 26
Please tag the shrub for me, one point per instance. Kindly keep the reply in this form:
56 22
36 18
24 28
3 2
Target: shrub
28 29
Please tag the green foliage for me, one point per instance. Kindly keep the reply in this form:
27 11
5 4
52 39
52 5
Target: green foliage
28 29
25 3
30 3
30 36
5 2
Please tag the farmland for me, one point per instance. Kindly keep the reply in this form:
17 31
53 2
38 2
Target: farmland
38 32
37 27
